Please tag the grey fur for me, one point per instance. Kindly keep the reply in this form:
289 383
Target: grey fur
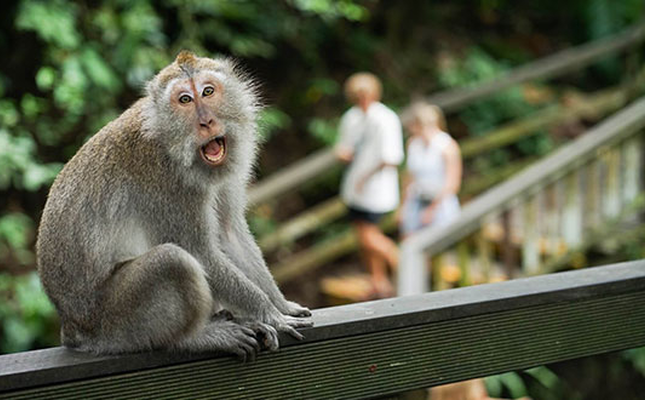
141 243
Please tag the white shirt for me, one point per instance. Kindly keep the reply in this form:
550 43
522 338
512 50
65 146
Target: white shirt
427 165
375 138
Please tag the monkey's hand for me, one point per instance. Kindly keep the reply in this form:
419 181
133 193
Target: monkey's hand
287 323
294 309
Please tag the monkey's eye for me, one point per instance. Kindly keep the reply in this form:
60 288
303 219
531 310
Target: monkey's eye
185 99
208 90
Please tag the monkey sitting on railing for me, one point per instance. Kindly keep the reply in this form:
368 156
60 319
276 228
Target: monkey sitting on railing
143 240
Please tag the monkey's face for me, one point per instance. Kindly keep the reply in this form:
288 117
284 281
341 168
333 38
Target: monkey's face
196 100
208 115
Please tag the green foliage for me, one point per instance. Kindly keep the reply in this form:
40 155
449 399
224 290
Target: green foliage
18 164
53 21
325 130
330 9
485 115
539 382
511 381
637 357
16 231
28 318
271 121
261 223
482 116
604 17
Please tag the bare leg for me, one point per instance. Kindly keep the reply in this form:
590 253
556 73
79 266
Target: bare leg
371 237
380 280
379 252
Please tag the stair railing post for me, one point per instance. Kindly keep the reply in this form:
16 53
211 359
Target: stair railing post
413 277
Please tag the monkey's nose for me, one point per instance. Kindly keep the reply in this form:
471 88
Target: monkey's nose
206 123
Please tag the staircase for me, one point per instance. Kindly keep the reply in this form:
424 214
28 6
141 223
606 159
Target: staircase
540 228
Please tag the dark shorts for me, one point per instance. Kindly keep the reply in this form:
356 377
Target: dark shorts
359 215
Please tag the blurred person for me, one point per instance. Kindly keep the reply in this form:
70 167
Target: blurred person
371 143
433 171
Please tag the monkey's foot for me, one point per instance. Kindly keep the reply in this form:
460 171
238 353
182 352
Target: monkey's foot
265 334
295 310
225 336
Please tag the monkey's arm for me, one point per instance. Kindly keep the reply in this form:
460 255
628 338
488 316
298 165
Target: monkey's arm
231 287
247 256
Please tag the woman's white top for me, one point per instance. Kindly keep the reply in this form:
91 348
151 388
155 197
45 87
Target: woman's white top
426 164
375 138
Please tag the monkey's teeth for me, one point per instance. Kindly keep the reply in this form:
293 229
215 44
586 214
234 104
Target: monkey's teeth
214 151
214 159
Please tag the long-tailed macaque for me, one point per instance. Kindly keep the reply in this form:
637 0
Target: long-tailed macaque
143 240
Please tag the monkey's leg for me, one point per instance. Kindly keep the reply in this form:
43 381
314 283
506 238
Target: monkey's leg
161 299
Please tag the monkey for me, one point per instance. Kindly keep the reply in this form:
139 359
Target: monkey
143 240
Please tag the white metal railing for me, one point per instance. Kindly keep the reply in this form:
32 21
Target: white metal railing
584 185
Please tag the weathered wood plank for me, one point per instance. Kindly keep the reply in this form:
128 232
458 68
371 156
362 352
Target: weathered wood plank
376 348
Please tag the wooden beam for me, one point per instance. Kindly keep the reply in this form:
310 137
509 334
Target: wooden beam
545 68
373 349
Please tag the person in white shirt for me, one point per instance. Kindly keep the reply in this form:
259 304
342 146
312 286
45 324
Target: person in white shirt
433 171
371 143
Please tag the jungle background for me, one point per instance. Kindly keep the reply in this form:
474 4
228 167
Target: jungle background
71 67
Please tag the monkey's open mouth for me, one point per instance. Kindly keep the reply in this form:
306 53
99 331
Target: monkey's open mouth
214 151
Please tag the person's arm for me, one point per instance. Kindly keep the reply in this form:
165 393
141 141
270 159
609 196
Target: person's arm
406 181
452 158
361 182
344 154
344 148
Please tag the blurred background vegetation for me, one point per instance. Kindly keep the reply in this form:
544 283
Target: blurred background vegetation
72 66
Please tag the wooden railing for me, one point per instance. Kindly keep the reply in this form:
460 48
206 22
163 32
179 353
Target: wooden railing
287 265
372 349
563 203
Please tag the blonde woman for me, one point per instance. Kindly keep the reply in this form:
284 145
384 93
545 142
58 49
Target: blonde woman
433 171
